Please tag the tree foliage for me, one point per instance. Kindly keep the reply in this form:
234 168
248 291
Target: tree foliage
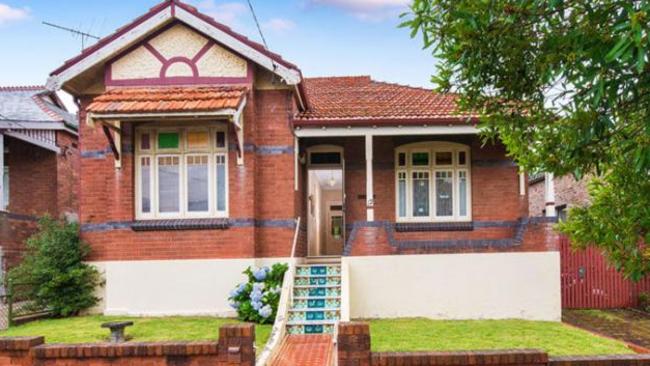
566 86
54 270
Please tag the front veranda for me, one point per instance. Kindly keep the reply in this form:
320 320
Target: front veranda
417 194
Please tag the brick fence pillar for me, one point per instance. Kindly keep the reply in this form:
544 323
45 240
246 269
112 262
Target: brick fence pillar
353 344
237 344
16 351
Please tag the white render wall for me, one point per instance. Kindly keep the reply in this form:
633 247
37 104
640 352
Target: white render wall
439 286
172 287
456 286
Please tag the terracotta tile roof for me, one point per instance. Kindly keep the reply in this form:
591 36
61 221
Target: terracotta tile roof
360 100
172 99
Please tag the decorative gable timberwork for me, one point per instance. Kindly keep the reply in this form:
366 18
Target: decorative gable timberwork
177 55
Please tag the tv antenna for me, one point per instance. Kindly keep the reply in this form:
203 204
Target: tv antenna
84 36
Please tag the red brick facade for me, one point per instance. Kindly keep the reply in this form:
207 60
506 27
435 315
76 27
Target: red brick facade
40 182
261 200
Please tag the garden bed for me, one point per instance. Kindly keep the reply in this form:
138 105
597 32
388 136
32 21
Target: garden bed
558 339
86 329
629 325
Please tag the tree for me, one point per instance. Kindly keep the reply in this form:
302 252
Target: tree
53 268
566 86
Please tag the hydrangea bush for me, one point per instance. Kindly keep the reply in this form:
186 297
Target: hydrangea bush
257 300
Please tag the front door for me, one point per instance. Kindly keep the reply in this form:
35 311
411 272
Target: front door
325 200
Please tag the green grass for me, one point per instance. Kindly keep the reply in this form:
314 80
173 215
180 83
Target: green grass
400 335
86 329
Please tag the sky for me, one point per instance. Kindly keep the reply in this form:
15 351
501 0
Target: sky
323 37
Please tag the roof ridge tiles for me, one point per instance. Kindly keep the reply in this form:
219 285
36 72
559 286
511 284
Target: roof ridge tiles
13 88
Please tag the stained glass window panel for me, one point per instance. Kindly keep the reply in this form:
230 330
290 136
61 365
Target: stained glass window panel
420 159
198 140
168 140
444 158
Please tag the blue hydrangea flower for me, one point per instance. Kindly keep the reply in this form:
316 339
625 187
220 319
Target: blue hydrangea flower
241 288
234 305
256 305
265 311
256 295
258 286
260 273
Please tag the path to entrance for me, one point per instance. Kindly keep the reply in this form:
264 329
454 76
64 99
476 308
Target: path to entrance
625 324
305 350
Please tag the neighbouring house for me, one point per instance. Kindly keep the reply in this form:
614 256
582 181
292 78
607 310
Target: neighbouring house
568 192
202 153
40 164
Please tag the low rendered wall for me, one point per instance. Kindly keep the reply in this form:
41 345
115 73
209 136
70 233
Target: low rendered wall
235 347
456 286
172 287
354 341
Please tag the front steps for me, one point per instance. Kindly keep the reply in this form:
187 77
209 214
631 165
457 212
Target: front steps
316 306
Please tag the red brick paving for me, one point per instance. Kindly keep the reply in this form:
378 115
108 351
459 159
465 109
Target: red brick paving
305 350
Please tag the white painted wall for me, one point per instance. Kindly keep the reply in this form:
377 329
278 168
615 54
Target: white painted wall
456 286
172 287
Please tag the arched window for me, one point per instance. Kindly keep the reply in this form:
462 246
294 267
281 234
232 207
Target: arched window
432 182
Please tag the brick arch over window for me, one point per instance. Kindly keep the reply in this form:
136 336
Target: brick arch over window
433 182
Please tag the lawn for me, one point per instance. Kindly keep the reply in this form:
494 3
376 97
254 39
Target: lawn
87 329
442 335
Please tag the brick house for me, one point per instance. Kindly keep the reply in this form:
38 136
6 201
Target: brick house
203 153
568 192
39 163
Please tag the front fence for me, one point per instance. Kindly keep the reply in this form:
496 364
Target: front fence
354 349
588 281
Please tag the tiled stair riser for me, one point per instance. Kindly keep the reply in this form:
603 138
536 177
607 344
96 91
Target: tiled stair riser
316 304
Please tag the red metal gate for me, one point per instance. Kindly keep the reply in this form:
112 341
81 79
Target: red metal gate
588 281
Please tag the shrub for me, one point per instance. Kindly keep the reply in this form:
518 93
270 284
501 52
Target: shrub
257 300
53 268
644 301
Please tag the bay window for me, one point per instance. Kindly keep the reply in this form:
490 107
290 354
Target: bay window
432 182
181 172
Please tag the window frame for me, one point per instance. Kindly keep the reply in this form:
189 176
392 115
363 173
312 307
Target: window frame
183 152
433 147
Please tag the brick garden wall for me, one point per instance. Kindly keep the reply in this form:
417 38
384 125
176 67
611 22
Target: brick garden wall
235 347
354 349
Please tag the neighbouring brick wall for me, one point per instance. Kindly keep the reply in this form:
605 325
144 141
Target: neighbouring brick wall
568 191
354 349
67 170
40 182
235 347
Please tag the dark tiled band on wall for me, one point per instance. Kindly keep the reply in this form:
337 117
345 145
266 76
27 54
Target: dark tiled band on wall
259 150
390 227
186 224
17 217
